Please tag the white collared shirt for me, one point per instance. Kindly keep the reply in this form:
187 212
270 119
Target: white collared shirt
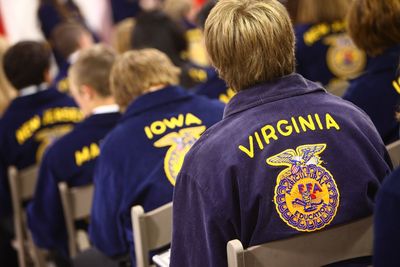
33 89
105 109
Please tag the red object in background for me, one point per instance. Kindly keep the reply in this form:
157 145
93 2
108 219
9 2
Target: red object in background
199 3
2 29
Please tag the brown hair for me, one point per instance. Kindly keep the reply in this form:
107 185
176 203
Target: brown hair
318 11
66 37
93 69
136 71
177 9
374 24
122 35
250 41
26 63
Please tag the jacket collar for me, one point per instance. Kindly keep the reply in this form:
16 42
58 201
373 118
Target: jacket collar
389 59
154 99
285 87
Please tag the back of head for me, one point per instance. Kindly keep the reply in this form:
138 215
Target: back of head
137 71
66 38
156 30
250 42
317 11
177 9
26 63
93 68
122 35
374 25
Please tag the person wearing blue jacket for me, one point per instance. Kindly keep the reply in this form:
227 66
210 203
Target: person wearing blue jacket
386 227
376 91
287 158
67 39
35 118
72 158
324 51
214 87
143 154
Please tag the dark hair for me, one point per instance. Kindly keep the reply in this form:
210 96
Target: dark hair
65 38
203 13
155 29
25 63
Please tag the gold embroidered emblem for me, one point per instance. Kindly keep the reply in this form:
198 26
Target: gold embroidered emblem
306 195
180 143
344 60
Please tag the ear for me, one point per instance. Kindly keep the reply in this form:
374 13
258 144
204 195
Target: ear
88 92
47 76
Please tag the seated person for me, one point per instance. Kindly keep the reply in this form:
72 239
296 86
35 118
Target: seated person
387 231
156 30
375 91
72 158
67 39
324 51
286 159
214 87
142 155
37 117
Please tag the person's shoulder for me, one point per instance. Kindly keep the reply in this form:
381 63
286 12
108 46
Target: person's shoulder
209 147
203 101
391 184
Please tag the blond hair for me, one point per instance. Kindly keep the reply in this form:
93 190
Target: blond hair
93 69
122 35
137 71
374 24
7 92
250 41
318 11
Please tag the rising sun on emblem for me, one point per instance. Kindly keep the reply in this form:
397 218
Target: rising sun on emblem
306 195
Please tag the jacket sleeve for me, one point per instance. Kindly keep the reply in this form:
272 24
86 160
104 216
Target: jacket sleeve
386 226
45 212
106 228
200 231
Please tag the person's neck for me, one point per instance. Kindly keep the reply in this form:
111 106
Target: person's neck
154 88
104 102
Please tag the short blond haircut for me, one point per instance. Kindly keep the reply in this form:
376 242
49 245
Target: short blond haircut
319 11
250 42
137 71
374 25
93 69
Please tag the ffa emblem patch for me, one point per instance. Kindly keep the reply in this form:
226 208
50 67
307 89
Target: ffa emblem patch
344 60
306 195
48 136
180 144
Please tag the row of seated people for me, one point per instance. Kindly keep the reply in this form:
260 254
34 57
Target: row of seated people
169 121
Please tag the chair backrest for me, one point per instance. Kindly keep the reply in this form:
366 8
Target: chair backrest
394 152
77 204
339 243
151 230
22 188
